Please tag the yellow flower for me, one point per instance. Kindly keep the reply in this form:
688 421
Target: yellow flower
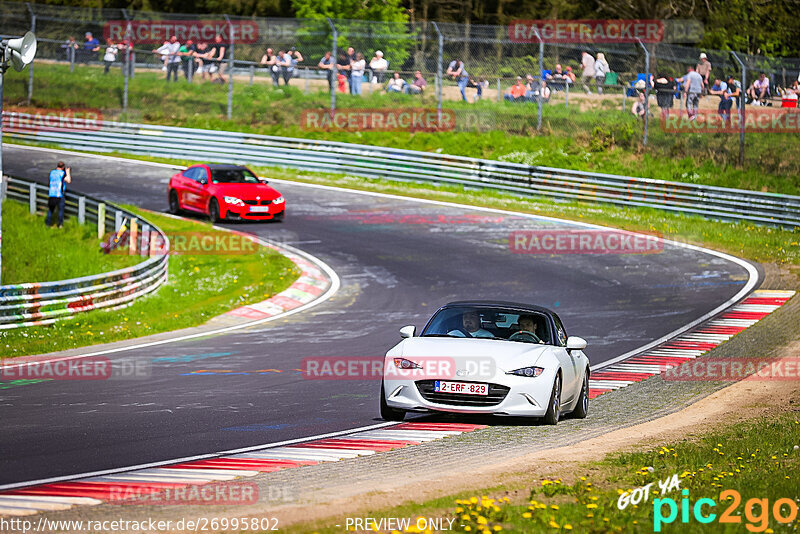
554 506
554 524
591 506
527 515
467 528
567 527
497 528
481 520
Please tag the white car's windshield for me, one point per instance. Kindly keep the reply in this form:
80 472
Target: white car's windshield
489 323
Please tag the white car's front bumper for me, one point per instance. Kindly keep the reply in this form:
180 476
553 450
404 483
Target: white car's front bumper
527 397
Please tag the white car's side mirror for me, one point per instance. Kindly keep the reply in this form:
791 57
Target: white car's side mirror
408 331
576 343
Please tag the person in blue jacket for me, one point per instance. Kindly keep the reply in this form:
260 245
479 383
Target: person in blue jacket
59 178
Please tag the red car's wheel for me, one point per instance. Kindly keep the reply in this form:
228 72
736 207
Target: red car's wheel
174 204
213 211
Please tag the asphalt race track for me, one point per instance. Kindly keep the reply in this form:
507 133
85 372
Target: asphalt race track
398 261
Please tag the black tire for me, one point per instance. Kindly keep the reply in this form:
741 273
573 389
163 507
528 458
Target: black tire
174 204
553 413
213 211
387 413
582 407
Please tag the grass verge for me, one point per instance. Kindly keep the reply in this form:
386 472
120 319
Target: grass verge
199 287
587 135
32 252
755 461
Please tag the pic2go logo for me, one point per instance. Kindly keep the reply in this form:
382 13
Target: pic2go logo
756 511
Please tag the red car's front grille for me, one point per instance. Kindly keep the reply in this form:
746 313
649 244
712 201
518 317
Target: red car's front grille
258 202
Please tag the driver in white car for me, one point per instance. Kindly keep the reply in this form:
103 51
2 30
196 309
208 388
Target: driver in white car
527 325
472 324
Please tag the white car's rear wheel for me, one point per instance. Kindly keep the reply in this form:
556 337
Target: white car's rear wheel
554 406
387 413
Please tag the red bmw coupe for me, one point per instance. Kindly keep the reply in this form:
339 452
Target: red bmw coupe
222 192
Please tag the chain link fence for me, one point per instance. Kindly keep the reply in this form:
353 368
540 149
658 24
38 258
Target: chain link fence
459 77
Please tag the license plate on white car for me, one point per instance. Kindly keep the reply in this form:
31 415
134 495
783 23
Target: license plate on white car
259 209
467 388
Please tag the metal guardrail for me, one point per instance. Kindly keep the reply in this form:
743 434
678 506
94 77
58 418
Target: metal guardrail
408 165
31 304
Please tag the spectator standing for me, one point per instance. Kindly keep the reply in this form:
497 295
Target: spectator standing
601 68
186 53
326 64
418 85
704 69
588 71
295 57
91 47
169 51
59 178
270 61
397 84
357 68
351 57
517 91
379 66
694 91
459 73
665 93
343 65
110 55
720 89
217 54
759 90
735 90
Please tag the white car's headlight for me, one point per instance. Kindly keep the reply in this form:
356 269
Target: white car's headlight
531 372
279 200
402 363
233 200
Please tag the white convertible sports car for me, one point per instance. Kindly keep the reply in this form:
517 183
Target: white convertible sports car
483 357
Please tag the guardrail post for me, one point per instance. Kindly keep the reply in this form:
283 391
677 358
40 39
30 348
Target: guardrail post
541 79
143 250
81 210
252 73
566 95
499 91
71 54
32 199
305 75
646 91
133 237
132 72
117 220
101 220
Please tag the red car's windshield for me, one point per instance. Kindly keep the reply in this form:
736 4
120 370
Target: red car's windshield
233 176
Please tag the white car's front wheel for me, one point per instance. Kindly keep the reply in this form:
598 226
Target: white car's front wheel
554 406
388 413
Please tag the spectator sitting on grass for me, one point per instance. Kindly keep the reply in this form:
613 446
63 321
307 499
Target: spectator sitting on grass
558 79
569 75
418 85
378 65
517 92
110 55
397 84
758 92
535 91
638 108
270 61
202 62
